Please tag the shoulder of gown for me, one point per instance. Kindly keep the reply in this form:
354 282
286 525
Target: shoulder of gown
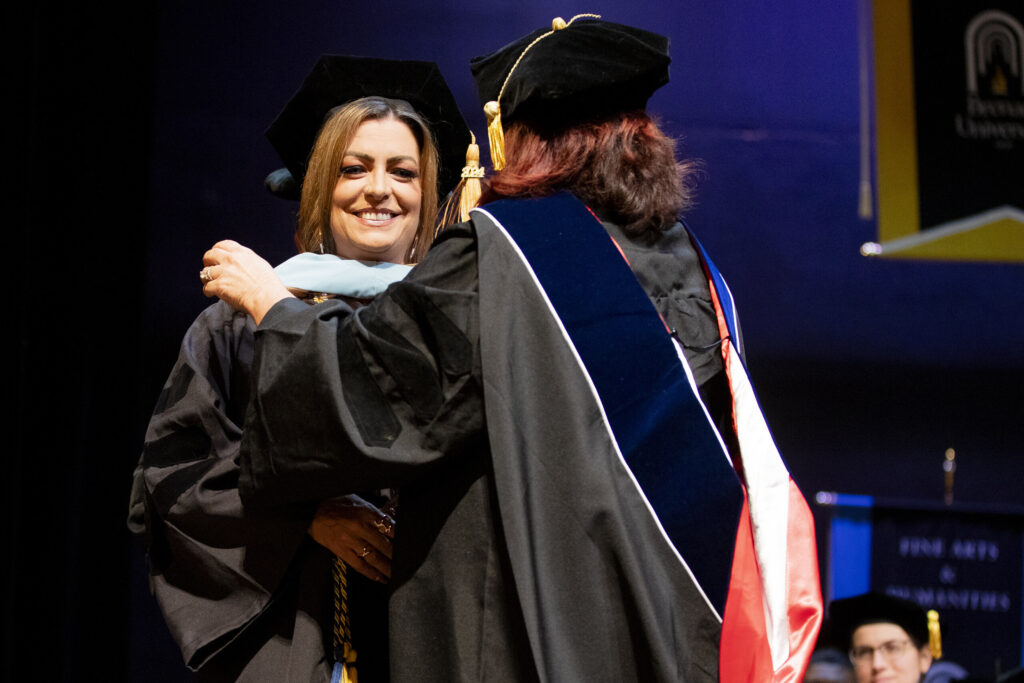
214 565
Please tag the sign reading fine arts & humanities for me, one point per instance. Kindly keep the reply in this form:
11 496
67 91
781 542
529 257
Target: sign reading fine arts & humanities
967 567
949 129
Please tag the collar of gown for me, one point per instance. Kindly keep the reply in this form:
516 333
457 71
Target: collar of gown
334 275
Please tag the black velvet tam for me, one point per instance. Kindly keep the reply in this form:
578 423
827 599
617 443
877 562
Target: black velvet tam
849 614
336 80
588 68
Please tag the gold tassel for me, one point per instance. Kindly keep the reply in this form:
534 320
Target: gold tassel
472 174
342 633
348 670
495 135
467 193
934 635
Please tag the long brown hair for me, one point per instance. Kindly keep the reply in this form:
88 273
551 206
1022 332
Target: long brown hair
314 224
621 165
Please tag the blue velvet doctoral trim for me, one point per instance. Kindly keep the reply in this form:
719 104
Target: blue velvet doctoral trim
724 295
657 419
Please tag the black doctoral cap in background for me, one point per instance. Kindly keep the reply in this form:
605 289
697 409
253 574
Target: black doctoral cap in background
336 80
849 614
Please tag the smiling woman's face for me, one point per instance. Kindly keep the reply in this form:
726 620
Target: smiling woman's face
375 208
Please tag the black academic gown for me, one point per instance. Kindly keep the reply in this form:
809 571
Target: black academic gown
524 552
246 594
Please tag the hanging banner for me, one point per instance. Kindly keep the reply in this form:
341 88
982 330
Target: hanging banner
965 566
949 129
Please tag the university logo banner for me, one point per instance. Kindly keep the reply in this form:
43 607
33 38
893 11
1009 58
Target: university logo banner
949 129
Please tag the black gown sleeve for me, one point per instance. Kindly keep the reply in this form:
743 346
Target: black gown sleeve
345 400
214 565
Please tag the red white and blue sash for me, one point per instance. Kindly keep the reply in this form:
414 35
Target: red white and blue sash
742 530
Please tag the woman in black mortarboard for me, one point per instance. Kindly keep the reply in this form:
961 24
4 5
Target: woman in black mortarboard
528 550
566 111
248 595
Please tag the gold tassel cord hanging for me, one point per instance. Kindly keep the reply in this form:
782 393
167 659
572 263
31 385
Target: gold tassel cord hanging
866 202
472 174
934 635
495 132
466 194
344 653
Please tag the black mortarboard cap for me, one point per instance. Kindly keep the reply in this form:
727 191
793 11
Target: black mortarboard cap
584 67
849 614
338 79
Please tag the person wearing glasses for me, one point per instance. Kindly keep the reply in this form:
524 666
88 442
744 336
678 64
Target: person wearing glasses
888 638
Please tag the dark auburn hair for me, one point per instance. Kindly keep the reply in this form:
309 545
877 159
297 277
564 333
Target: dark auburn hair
620 165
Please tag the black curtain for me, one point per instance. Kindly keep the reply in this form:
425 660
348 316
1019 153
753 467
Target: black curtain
80 83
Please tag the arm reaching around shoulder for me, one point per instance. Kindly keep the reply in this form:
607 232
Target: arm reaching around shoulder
240 277
347 400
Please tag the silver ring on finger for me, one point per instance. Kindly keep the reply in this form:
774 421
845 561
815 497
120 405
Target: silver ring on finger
204 276
364 552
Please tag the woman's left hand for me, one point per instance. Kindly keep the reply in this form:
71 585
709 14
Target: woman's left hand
357 532
240 277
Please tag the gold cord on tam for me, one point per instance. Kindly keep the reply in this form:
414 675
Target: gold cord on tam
934 635
495 134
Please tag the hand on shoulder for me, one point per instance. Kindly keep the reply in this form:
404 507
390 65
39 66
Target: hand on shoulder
239 276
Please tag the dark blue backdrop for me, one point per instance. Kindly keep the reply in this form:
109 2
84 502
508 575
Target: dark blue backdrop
868 370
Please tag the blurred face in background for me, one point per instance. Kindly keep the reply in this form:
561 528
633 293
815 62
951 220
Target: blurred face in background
885 653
